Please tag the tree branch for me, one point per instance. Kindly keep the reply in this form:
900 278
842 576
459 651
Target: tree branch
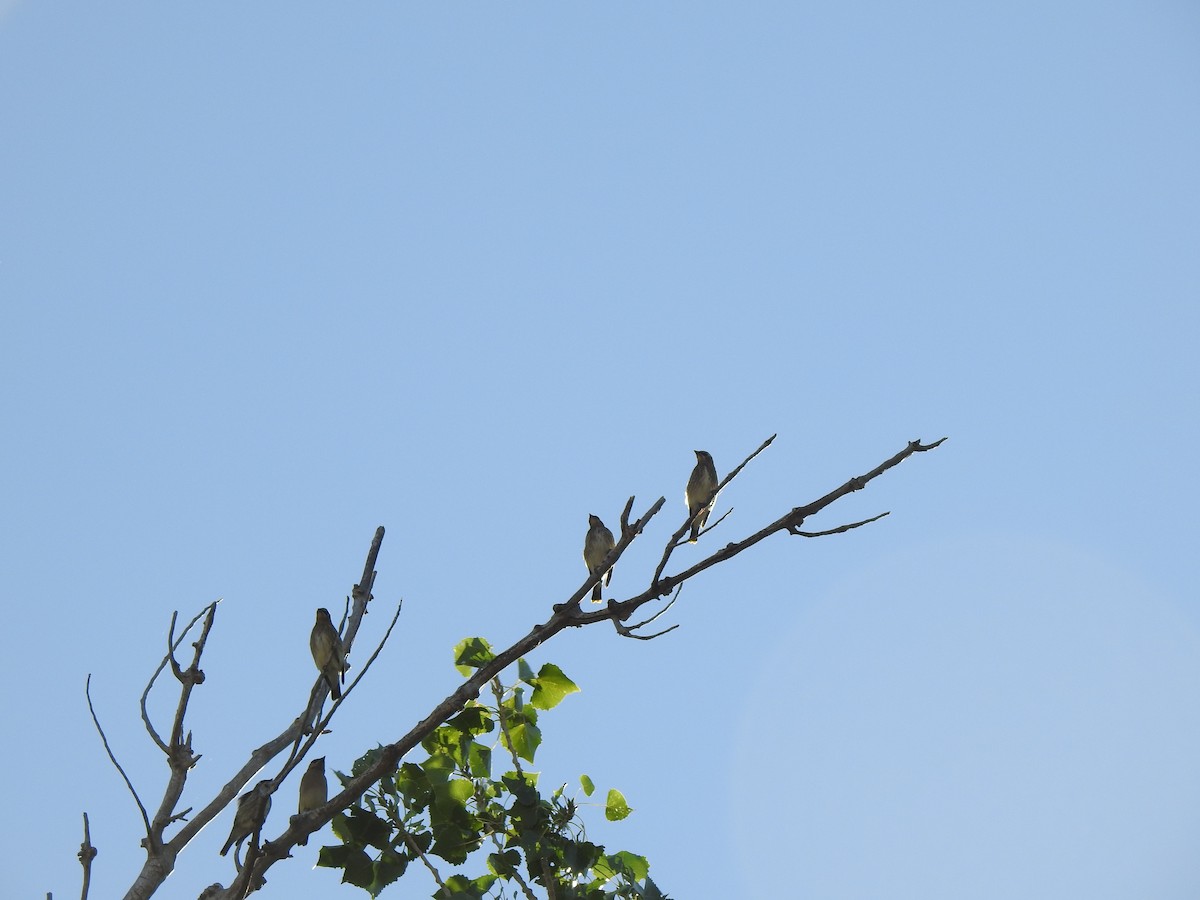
565 615
86 854
161 854
676 538
87 690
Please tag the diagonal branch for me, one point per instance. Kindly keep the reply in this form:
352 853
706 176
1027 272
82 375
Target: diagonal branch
623 609
564 615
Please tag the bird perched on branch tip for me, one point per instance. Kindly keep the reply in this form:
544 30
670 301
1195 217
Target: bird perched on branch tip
327 652
701 491
596 547
251 813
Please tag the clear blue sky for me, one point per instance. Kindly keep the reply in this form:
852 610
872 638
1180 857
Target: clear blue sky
273 274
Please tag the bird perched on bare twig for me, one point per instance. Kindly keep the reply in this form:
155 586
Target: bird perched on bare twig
252 809
596 547
701 491
327 652
314 790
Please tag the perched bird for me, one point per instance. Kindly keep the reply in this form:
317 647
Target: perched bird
327 652
314 791
701 490
596 545
252 809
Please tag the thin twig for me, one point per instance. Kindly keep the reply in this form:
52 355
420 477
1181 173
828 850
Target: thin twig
707 528
841 529
629 630
498 691
623 631
416 848
87 690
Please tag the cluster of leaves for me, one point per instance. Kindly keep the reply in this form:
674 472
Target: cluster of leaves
451 807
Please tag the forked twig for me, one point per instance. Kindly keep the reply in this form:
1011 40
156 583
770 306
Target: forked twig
676 538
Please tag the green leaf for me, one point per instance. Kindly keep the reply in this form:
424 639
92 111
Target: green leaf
338 857
472 653
473 720
616 809
454 843
479 759
356 866
524 671
630 864
463 888
413 785
551 686
525 740
651 892
588 787
360 827
388 869
365 761
504 864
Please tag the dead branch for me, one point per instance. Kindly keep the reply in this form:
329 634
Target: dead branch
86 854
87 690
162 853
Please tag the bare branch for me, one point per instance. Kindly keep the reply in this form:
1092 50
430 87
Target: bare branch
839 530
161 854
676 538
628 535
564 615
86 854
625 516
169 658
629 630
87 690
297 755
623 609
707 528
